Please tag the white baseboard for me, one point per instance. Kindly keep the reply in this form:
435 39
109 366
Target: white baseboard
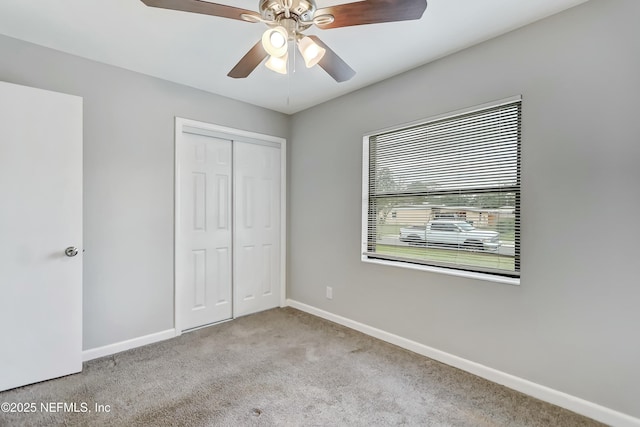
555 397
110 349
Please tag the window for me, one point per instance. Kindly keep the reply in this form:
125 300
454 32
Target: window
445 192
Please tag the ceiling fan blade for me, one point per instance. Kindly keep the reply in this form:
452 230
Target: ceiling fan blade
249 62
372 12
205 8
333 64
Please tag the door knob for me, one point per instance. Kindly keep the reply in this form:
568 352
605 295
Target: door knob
71 251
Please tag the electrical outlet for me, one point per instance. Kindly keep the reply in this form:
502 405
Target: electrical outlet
329 292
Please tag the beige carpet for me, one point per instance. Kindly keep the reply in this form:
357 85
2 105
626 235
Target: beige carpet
281 367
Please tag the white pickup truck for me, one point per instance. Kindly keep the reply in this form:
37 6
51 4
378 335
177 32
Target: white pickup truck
451 233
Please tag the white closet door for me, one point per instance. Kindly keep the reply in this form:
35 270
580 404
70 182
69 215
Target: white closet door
256 227
203 240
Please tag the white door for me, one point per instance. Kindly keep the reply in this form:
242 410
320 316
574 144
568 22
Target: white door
40 216
257 227
203 237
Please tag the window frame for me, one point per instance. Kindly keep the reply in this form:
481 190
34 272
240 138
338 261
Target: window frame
387 260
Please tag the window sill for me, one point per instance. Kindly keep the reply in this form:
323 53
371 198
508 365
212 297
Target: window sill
459 273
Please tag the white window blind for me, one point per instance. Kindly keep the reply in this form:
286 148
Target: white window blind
446 192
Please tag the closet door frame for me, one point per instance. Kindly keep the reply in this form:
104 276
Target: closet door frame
184 125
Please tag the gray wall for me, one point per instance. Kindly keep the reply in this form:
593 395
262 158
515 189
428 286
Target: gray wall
573 323
128 180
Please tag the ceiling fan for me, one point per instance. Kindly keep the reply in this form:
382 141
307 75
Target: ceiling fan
288 19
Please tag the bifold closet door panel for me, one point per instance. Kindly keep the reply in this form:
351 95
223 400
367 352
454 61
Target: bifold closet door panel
205 232
256 227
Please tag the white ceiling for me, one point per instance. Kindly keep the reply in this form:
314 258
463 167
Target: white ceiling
199 50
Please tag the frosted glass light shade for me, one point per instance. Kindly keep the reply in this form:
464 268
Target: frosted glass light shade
274 41
278 63
311 52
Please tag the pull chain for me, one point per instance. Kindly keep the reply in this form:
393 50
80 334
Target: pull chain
292 59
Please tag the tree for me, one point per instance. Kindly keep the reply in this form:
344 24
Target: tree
385 184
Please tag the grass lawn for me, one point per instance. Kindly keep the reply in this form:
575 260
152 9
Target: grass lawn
477 259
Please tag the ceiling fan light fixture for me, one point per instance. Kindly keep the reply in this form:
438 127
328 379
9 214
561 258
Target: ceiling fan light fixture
288 19
274 41
278 63
311 52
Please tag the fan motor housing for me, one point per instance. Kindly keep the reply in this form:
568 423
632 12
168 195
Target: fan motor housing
301 11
